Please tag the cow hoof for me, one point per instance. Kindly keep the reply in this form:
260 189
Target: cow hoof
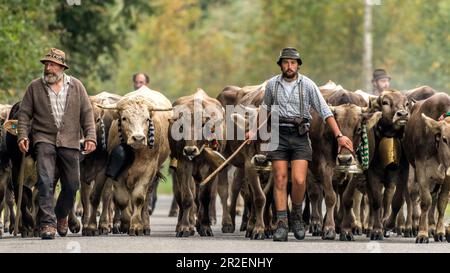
357 231
268 234
213 221
204 231
140 232
132 232
387 233
103 231
116 230
415 231
228 228
346 236
447 236
173 213
329 234
368 232
248 234
191 232
431 232
243 226
376 235
75 228
6 230
422 239
316 230
439 237
408 233
259 236
91 232
147 231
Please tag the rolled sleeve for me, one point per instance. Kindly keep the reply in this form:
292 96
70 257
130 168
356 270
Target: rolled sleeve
318 102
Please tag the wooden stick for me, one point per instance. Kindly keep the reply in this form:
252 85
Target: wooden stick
209 178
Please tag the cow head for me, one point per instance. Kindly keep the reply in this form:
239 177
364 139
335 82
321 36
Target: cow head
134 118
351 119
199 131
441 132
394 107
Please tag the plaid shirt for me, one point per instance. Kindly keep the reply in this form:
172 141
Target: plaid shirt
58 100
289 104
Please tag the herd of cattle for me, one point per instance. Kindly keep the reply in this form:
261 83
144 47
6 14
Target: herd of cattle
402 161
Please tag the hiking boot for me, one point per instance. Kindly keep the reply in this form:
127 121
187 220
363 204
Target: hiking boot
48 232
298 228
62 226
281 233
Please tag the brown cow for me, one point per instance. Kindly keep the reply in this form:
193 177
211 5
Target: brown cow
197 156
350 118
426 145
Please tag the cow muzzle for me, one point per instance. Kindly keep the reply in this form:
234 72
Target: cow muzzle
261 162
191 152
137 141
346 163
400 118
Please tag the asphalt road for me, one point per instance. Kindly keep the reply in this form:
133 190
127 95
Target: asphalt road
163 240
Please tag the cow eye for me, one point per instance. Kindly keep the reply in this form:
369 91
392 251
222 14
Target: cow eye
407 104
124 119
385 102
444 139
358 130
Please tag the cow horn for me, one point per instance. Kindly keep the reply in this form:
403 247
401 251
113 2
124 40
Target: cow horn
160 109
108 106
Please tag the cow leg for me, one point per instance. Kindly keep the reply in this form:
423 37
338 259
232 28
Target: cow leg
374 191
84 197
3 206
425 203
259 201
315 194
329 232
138 197
236 186
146 212
222 184
397 201
103 225
358 214
212 202
348 216
184 193
441 206
94 198
117 216
153 196
203 218
432 214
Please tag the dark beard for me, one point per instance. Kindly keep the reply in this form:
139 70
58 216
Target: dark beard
52 78
289 76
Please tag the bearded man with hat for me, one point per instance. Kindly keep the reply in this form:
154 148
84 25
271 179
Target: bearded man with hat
55 113
294 94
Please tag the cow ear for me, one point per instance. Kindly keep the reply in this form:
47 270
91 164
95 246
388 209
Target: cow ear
431 124
213 158
374 103
372 119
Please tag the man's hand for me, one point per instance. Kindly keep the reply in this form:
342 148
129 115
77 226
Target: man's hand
24 145
89 146
344 142
250 135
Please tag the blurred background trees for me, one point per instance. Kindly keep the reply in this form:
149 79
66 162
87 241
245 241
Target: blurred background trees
185 44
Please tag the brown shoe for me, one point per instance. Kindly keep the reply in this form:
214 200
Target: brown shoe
48 232
62 226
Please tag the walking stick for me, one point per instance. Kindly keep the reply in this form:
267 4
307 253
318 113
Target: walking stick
19 198
207 179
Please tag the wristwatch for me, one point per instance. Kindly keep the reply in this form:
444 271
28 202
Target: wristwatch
339 135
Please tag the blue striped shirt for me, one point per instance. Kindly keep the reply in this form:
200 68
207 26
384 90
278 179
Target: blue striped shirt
289 102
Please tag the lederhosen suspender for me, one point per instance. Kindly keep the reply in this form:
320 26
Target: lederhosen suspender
300 96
